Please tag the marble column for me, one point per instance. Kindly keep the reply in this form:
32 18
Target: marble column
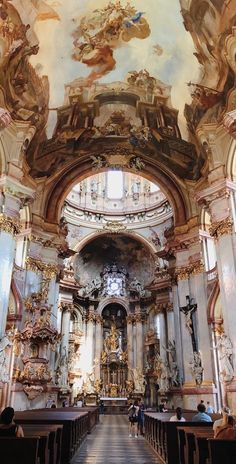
177 327
90 341
98 346
183 291
130 344
139 341
218 198
198 292
65 328
12 197
163 341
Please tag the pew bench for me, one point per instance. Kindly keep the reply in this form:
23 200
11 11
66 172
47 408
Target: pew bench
54 439
70 422
222 451
19 450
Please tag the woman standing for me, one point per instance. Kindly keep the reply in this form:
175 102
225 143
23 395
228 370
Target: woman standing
133 419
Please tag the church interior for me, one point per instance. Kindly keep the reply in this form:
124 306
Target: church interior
117 207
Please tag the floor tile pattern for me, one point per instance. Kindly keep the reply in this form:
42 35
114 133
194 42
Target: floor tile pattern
110 444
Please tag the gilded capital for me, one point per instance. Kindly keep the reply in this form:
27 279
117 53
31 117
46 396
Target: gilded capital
221 228
10 225
182 273
197 268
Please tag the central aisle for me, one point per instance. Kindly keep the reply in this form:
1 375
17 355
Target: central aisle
110 444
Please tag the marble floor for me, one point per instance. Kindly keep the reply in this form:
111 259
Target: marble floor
110 444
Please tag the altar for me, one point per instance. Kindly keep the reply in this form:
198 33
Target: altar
117 405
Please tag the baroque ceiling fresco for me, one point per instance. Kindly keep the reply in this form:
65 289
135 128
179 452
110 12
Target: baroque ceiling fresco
113 84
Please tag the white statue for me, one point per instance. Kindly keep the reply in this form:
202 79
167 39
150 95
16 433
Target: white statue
139 380
88 385
164 377
196 368
63 370
225 347
4 359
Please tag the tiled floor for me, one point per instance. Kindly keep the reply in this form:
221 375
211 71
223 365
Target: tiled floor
110 444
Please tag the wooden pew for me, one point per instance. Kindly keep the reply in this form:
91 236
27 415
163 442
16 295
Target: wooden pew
69 420
162 434
19 450
187 443
54 439
201 447
222 451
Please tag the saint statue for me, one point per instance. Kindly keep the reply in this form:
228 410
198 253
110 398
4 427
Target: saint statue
112 340
225 347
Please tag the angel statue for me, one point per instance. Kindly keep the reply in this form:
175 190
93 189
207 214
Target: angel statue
4 359
225 347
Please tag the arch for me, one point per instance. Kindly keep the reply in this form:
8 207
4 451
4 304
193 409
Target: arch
110 300
89 238
59 186
231 161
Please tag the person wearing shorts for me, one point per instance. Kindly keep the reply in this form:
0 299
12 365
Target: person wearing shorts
133 419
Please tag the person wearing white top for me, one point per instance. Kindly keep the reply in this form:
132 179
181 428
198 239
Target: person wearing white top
178 416
209 409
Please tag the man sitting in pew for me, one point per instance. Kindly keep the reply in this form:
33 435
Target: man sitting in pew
201 416
227 431
8 428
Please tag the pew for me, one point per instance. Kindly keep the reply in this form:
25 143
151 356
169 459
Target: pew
54 439
201 448
187 442
222 451
163 436
75 426
19 450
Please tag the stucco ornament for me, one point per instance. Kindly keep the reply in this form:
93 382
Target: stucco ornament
5 118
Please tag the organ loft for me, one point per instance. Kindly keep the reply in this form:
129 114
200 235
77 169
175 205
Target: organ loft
117 204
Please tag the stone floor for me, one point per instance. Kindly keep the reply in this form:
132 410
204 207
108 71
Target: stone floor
110 444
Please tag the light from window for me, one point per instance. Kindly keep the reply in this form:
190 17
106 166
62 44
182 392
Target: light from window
115 185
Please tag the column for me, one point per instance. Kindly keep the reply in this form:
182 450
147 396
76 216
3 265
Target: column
198 292
65 327
12 197
98 346
177 326
183 291
130 344
139 340
163 343
90 340
218 198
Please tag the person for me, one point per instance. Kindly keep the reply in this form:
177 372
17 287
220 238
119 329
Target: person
178 416
79 403
226 431
209 408
133 419
8 428
219 422
201 416
162 407
141 419
53 406
101 407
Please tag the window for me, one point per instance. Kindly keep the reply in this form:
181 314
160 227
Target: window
115 185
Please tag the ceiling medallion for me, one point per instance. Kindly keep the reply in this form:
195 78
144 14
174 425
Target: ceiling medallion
117 159
114 226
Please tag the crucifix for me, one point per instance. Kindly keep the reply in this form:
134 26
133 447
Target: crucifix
188 311
113 377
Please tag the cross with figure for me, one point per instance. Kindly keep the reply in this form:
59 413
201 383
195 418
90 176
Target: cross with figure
188 311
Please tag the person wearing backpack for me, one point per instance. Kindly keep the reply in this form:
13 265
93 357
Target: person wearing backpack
133 419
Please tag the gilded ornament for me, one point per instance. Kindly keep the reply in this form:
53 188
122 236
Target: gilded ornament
114 226
182 273
10 225
221 228
197 268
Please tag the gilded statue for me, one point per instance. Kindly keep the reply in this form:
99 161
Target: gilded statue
112 340
104 357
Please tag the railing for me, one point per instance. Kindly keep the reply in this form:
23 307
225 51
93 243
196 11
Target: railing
212 274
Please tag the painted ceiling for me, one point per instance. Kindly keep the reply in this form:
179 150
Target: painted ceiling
102 41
